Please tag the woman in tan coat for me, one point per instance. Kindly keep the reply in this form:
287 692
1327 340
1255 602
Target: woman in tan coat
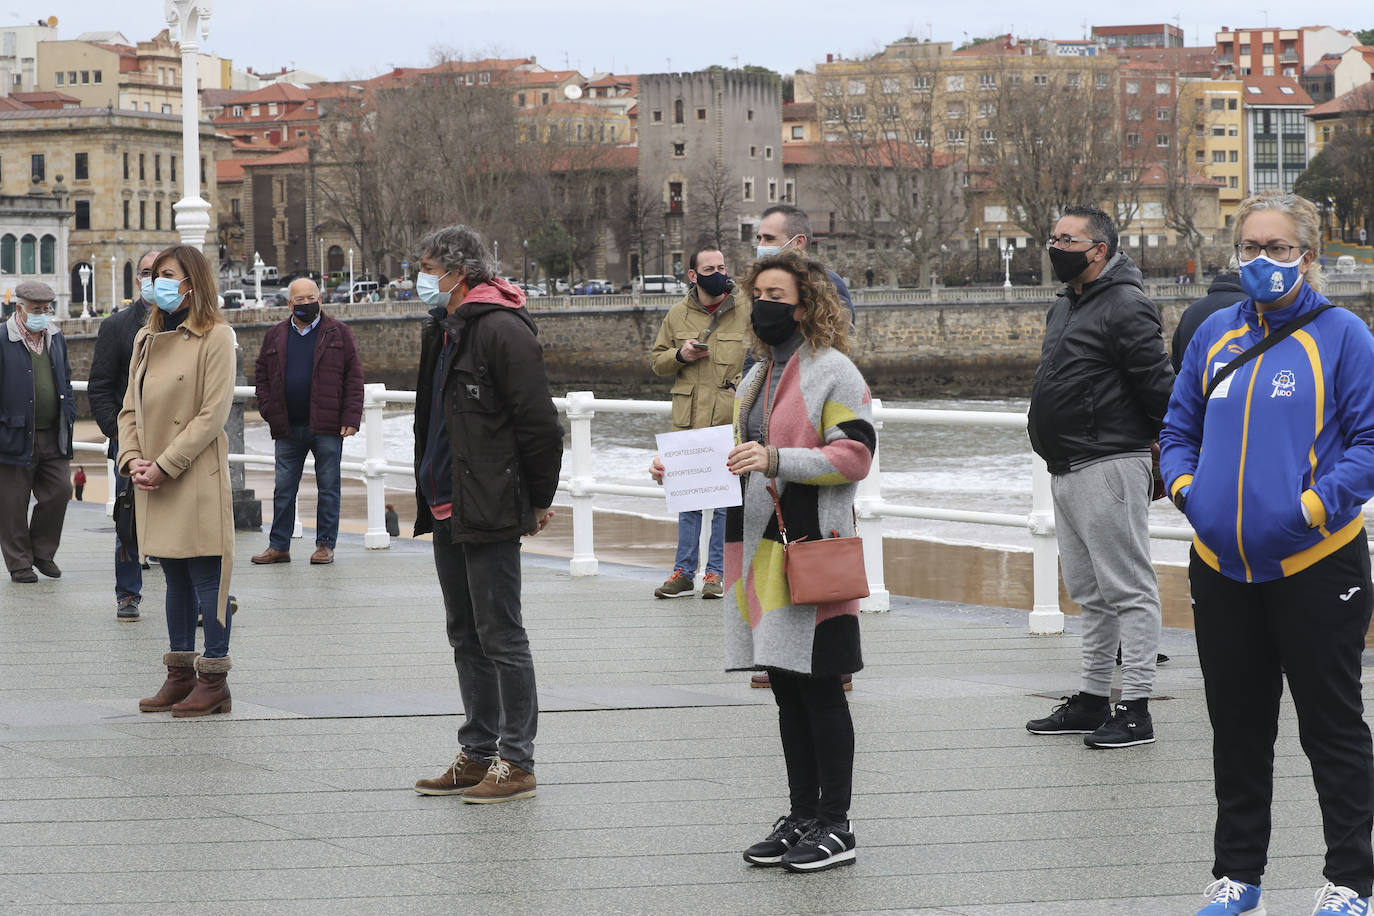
173 447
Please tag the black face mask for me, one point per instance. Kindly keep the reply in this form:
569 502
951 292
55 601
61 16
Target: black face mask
772 321
306 311
716 284
1068 265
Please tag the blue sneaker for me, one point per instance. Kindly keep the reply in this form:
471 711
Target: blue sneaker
1232 898
1342 901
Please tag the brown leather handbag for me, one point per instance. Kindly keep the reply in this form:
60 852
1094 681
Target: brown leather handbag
824 571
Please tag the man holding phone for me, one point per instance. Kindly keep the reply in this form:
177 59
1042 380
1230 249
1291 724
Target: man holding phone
702 344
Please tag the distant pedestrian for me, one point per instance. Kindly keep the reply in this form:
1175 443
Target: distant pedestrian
1097 403
803 425
1224 291
1273 465
109 379
868 278
39 411
173 447
488 449
79 482
310 392
701 345
393 521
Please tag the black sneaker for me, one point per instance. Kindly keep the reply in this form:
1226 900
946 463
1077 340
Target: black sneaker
1074 716
1127 728
824 846
787 832
128 608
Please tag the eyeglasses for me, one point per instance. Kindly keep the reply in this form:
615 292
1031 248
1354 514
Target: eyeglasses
1279 251
1064 241
40 309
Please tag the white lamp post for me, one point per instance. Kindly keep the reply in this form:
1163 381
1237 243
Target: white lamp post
350 275
1006 264
85 271
258 268
114 303
323 282
186 18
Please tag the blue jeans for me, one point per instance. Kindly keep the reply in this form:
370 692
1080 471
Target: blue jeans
689 542
193 584
291 451
128 573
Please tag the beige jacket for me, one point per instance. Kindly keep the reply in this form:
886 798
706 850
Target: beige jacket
703 391
181 386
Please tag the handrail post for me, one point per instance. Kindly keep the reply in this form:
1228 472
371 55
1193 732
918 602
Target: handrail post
581 409
1045 618
374 433
868 497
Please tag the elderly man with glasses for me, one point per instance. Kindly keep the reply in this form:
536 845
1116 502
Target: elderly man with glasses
114 348
36 416
1097 405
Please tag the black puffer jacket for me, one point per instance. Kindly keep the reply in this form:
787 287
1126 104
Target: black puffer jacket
114 349
1225 290
1104 379
503 432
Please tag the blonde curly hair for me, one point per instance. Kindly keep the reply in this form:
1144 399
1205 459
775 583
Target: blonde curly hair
1305 218
825 322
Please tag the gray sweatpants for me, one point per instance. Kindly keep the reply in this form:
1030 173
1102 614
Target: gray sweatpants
1101 518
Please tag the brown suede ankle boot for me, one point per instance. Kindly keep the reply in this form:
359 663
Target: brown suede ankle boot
181 679
211 694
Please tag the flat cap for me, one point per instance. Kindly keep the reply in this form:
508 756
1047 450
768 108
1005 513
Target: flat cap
35 291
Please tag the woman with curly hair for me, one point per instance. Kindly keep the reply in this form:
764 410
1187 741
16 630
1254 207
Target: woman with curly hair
803 423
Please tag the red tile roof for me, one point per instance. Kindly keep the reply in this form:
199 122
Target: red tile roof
228 171
274 92
294 156
1273 90
1359 100
799 111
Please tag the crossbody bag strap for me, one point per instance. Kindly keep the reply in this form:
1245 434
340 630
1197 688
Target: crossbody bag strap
1255 350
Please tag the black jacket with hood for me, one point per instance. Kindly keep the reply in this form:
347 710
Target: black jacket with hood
1225 290
109 375
502 432
1104 379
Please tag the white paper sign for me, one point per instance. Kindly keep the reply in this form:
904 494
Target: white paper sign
695 475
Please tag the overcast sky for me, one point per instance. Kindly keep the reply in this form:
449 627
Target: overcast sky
343 39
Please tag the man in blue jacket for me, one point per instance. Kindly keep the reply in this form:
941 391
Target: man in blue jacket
36 417
1097 403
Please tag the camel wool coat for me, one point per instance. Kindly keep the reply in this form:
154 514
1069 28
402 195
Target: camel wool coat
181 386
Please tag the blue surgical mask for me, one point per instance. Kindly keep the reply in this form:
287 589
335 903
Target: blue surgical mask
145 288
167 295
37 322
427 288
767 251
1267 280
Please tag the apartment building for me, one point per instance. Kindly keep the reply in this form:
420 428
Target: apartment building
1275 132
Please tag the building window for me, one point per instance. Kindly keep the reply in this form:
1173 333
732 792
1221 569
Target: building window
238 111
1133 114
271 108
768 152
7 249
748 189
677 112
749 114
83 214
544 100
1234 182
85 77
126 166
37 170
920 84
520 99
658 117
47 255
1041 79
798 132
1133 139
1218 155
255 110
83 168
1245 48
1073 80
233 209
987 135
1132 87
858 113
1102 81
142 167
1161 114
1199 156
772 190
955 136
1162 87
919 138
126 214
96 77
1234 156
203 177
891 85
157 166
1268 47
857 87
788 190
746 232
954 111
1162 140
954 83
987 81
987 109
61 78
157 215
701 114
679 150
26 246
143 214
753 152
172 163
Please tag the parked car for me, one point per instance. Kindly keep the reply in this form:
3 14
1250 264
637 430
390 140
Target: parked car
532 290
299 274
659 283
1345 264
593 288
231 299
363 290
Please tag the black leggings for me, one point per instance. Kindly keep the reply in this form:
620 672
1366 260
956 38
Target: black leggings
817 743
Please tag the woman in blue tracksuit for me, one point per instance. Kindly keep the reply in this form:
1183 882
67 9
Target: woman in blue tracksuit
1273 471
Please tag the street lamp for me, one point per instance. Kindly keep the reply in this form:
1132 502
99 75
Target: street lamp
977 250
944 250
350 275
258 268
660 254
526 245
1142 247
185 18
1006 264
114 303
323 282
85 271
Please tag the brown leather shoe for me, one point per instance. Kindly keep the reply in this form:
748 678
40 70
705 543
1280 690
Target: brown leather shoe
211 693
504 782
181 680
760 680
322 556
464 773
272 555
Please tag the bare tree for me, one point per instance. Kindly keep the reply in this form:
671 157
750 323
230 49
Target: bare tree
712 191
1184 169
1057 144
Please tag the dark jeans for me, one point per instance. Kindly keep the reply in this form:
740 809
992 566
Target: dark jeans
128 573
291 451
1310 625
26 537
481 587
193 584
817 743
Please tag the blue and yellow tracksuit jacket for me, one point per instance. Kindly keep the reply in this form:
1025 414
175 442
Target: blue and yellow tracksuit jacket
1292 428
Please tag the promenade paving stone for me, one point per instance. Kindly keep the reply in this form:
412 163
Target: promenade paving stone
656 768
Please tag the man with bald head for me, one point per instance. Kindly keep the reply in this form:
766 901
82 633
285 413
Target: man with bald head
310 392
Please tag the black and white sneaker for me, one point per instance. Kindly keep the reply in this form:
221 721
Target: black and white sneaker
787 832
1077 715
1129 726
824 846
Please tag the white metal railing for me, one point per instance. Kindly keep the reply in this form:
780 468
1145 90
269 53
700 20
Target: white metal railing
578 481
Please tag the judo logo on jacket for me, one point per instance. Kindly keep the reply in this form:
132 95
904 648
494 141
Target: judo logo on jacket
1276 282
1284 384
